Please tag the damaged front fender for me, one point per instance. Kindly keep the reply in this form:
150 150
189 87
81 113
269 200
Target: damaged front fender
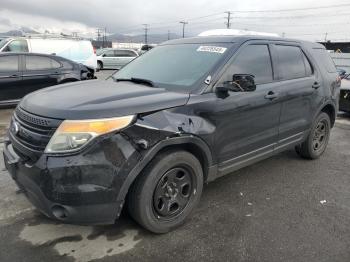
169 129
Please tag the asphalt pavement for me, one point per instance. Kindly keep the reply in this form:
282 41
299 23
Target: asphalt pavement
281 209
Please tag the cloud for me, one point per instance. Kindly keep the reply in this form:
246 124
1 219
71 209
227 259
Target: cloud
128 16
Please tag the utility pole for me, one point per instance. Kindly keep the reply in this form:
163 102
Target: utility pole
183 28
98 31
105 37
146 32
168 34
228 23
325 37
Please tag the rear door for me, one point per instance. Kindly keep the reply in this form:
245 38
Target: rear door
11 85
298 83
40 71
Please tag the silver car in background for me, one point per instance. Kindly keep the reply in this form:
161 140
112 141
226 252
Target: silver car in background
114 58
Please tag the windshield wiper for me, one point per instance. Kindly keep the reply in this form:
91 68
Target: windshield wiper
136 80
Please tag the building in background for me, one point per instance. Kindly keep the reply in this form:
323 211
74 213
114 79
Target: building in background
101 44
340 53
340 47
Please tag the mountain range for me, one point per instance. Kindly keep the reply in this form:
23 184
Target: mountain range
151 38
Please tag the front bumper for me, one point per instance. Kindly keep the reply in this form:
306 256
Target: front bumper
80 189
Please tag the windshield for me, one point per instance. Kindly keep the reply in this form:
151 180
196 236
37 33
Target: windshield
3 43
174 67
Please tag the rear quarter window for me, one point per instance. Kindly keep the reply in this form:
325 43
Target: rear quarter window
324 59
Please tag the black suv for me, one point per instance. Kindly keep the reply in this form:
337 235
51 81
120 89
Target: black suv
181 115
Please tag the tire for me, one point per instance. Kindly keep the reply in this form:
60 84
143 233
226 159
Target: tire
99 65
166 192
316 143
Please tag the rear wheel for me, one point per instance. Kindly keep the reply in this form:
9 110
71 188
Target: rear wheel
167 191
317 141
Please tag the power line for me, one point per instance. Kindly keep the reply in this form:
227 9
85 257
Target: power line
290 17
291 10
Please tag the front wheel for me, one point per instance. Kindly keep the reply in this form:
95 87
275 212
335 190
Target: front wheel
167 191
317 141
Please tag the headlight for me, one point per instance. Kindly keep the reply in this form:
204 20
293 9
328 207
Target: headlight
72 135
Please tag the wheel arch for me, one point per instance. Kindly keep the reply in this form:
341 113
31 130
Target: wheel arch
192 144
331 111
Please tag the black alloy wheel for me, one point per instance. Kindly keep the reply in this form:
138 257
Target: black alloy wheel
320 136
317 140
166 192
173 192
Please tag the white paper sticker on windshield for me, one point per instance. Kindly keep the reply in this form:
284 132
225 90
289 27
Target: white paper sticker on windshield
212 49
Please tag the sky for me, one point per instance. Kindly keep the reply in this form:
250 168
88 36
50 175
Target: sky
127 17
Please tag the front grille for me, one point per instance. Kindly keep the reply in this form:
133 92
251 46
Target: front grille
31 133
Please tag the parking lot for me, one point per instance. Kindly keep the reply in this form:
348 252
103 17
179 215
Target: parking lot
281 209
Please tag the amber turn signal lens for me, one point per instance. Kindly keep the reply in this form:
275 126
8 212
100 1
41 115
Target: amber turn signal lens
98 126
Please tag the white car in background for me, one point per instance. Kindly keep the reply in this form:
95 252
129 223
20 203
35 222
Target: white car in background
77 50
112 58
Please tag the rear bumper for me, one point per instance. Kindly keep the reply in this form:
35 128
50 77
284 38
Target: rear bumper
84 192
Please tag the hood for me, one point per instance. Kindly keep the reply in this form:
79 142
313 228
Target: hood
99 99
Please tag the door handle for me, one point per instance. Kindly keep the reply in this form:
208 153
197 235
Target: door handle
14 76
316 85
271 95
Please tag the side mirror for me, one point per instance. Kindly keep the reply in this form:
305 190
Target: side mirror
245 82
239 83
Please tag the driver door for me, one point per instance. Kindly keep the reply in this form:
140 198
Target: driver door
247 122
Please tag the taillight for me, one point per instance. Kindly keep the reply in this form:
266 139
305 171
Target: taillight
94 50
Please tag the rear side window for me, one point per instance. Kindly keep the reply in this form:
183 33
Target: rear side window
325 59
67 65
124 53
17 46
254 60
291 62
41 63
8 63
109 54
